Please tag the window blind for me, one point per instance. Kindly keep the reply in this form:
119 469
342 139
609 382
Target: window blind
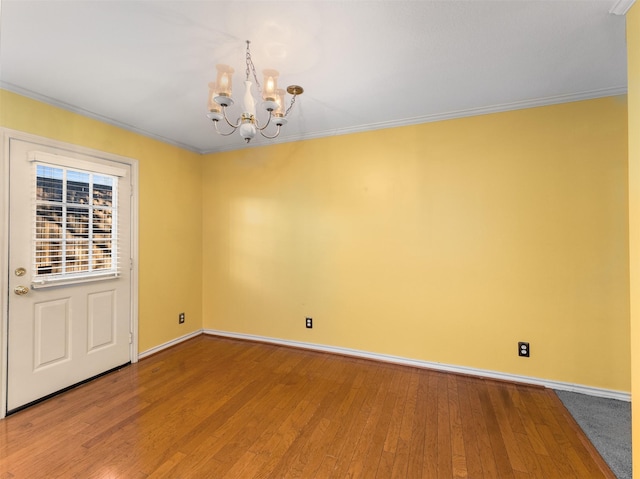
75 221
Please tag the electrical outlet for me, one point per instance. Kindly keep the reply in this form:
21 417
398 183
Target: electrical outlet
181 318
309 322
523 350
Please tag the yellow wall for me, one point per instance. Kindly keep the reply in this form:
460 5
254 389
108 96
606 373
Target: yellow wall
170 228
445 242
633 52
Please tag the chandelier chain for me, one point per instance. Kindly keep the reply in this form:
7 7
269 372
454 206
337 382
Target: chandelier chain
251 68
293 100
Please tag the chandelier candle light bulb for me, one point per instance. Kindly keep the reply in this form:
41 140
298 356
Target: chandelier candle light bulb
270 85
279 111
247 124
223 81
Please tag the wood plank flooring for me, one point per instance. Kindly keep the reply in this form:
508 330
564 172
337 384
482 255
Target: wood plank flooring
219 408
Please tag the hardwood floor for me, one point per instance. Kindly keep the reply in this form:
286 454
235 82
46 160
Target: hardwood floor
221 408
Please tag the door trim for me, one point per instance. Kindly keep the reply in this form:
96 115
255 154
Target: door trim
5 136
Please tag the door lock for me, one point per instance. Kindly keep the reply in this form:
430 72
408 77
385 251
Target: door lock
21 290
20 271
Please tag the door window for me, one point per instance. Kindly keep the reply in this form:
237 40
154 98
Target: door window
75 230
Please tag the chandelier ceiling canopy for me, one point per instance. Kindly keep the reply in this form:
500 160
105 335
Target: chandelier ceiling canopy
272 101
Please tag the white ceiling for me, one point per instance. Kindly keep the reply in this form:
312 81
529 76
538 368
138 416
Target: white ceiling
145 65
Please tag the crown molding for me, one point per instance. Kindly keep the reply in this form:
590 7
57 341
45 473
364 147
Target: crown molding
500 108
81 111
621 7
504 107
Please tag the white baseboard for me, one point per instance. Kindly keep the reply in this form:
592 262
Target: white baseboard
168 344
561 386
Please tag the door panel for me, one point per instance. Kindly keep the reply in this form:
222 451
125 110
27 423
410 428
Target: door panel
51 332
65 329
101 319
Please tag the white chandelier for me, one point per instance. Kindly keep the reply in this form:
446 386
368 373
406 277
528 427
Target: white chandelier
247 124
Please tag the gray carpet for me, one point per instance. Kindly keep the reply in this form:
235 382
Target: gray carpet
607 423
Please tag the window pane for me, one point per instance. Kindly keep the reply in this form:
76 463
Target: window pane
49 183
48 257
102 254
102 195
77 256
102 220
48 222
78 187
78 222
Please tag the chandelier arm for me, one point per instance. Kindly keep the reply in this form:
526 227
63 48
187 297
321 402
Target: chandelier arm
271 137
215 123
260 128
224 114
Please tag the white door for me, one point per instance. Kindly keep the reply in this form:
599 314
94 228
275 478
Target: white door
69 308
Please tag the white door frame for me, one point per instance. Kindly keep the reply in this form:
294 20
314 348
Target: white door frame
5 135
